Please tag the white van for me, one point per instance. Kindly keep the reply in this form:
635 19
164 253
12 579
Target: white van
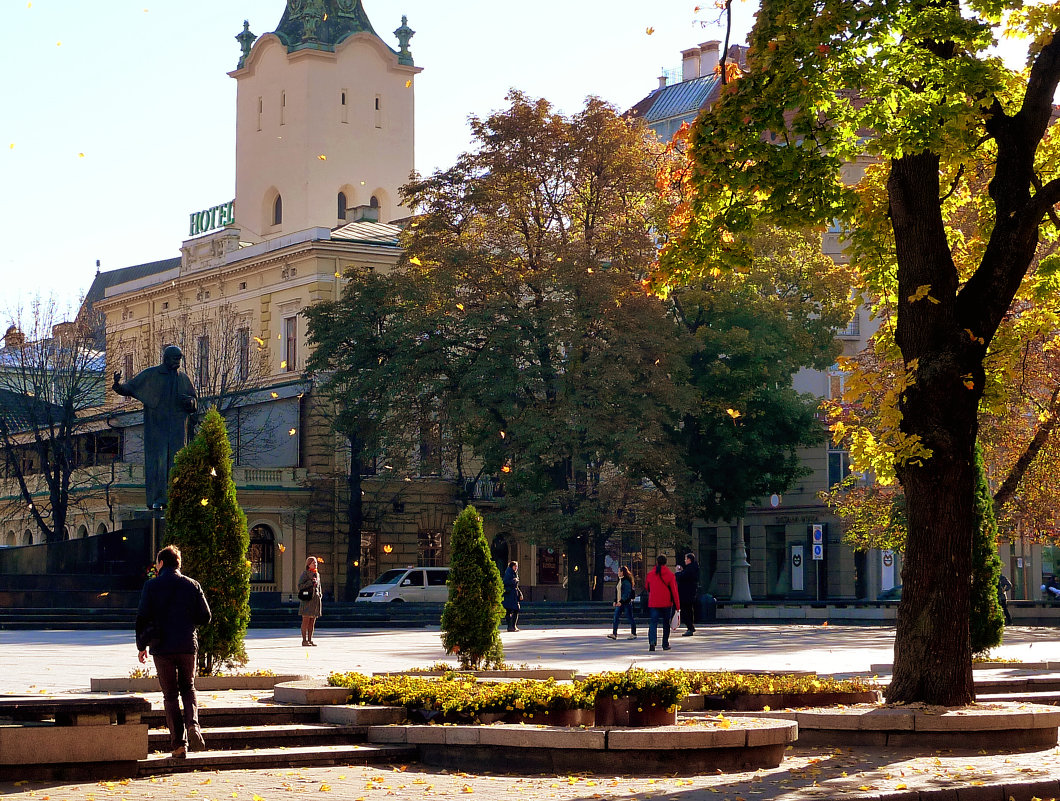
408 584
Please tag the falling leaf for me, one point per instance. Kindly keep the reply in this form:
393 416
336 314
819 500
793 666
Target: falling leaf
322 157
58 44
103 595
408 83
283 365
506 469
260 341
12 146
732 413
502 435
291 431
460 306
80 155
338 275
649 31
281 548
205 502
275 394
213 471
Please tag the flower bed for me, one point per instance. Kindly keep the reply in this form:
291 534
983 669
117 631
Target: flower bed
633 697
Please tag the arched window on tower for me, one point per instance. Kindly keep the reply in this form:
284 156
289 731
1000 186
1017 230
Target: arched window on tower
277 210
374 202
342 205
262 555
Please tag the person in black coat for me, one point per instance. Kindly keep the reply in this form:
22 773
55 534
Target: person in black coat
687 589
171 606
512 596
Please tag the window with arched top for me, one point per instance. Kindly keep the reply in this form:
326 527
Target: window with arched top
374 202
342 206
10 541
262 555
101 529
82 531
277 211
27 537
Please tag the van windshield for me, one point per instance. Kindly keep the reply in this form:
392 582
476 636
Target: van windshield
390 577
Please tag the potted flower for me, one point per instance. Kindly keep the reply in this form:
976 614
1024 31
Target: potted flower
636 697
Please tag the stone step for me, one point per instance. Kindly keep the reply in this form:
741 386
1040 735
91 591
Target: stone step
1018 684
1048 697
240 738
244 715
258 758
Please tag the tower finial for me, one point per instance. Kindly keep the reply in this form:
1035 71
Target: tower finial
404 34
246 41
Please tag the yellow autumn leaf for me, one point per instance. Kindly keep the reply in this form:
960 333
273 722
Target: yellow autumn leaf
80 155
291 431
732 413
281 548
205 502
322 157
325 788
408 83
649 30
275 394
460 306
467 788
921 293
260 341
416 261
283 365
103 595
901 786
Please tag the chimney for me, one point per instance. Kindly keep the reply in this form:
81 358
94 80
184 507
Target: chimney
690 64
662 81
709 57
14 338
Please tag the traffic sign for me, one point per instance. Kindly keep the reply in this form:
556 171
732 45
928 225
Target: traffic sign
818 542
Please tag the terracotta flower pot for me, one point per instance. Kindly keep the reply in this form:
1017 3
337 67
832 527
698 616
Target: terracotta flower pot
611 711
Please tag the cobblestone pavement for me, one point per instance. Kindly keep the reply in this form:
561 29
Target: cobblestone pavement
55 662
806 773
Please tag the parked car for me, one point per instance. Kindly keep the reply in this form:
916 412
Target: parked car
892 594
408 584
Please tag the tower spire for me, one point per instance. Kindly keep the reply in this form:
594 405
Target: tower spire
404 34
246 41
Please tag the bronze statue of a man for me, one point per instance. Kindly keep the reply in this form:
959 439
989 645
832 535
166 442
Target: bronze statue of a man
168 398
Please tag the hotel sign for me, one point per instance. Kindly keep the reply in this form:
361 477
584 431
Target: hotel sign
216 217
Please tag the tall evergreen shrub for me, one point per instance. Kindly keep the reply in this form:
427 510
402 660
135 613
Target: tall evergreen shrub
473 612
987 622
204 520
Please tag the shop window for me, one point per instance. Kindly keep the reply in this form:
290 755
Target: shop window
262 555
369 556
548 567
429 549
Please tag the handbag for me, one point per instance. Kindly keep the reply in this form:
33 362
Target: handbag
675 621
305 595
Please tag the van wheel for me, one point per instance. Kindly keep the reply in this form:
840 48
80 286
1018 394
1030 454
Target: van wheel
398 601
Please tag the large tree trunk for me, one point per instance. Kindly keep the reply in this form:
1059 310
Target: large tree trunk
932 655
578 567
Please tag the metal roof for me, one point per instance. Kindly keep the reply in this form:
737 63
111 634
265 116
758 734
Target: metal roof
372 233
682 99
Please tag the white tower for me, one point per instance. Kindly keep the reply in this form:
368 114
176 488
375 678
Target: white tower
324 122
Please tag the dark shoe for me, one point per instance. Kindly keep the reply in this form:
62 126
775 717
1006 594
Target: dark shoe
305 643
651 647
312 643
612 636
196 741
666 647
180 752
688 634
512 629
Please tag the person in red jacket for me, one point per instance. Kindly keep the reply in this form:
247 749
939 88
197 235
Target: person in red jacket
662 597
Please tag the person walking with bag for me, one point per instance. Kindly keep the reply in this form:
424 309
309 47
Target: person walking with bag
310 599
662 598
171 606
687 588
624 603
512 596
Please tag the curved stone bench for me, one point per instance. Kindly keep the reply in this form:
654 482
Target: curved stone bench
992 727
726 745
309 692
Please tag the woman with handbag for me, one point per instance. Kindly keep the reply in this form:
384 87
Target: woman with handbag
624 603
310 598
662 598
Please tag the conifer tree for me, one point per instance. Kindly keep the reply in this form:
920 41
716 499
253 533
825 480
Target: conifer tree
205 521
987 623
473 612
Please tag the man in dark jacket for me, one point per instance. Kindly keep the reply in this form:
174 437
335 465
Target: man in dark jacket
687 587
171 606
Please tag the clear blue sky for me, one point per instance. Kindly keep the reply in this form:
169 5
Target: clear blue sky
141 90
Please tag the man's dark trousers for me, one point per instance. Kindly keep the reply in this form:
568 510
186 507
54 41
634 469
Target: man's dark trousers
176 675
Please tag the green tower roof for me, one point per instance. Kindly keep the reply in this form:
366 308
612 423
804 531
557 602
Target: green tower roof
322 24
